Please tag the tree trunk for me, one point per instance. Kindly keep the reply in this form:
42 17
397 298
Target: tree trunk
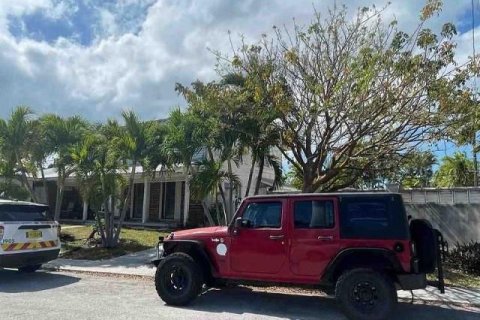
261 164
307 181
207 214
24 179
26 184
127 200
59 197
45 186
108 228
222 194
232 186
250 175
101 230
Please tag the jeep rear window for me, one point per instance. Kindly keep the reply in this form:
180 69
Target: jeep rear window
373 218
263 215
23 213
313 214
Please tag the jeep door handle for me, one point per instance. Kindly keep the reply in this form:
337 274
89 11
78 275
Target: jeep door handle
325 238
277 237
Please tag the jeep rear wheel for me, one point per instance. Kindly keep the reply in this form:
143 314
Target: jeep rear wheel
364 294
178 279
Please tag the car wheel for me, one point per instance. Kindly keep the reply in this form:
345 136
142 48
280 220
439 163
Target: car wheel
30 269
179 279
364 294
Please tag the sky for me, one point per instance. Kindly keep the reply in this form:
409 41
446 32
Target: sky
98 57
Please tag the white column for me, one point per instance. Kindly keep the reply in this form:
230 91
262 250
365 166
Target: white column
146 199
186 202
85 211
178 200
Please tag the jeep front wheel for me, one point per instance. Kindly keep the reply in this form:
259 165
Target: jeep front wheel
178 279
364 294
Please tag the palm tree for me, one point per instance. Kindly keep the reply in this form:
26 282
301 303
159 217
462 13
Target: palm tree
207 181
61 135
131 143
15 134
39 152
255 125
455 171
96 165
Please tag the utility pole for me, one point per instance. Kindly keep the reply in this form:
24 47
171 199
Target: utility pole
475 105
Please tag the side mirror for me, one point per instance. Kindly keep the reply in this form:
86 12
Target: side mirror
238 223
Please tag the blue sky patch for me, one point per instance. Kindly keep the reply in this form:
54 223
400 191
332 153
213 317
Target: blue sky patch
82 25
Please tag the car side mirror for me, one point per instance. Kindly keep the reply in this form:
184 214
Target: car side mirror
238 223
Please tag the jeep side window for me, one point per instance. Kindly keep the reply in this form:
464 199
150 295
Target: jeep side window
313 214
263 215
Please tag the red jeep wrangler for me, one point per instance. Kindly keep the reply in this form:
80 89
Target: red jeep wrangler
361 246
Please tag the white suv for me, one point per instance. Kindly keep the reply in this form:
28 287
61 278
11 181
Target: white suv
28 236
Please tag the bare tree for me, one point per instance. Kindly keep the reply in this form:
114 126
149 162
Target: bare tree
350 91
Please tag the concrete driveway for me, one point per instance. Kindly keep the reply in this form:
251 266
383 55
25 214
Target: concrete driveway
68 296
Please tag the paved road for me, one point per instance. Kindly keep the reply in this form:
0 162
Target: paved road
78 296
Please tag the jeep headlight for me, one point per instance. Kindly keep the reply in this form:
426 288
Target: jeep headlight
160 250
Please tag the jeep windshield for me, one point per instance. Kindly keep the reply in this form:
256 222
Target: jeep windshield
10 213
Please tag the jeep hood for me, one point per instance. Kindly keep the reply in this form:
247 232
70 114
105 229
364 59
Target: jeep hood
192 234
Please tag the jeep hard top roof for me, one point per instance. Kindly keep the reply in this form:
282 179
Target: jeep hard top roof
326 194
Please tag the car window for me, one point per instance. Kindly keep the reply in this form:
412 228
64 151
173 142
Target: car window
313 214
263 215
23 213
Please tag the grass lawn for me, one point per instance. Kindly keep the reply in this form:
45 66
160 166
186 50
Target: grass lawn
131 240
460 279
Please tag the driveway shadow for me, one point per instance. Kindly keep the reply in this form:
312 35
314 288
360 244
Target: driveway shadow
242 301
12 281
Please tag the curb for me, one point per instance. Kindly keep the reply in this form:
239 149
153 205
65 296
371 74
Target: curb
99 273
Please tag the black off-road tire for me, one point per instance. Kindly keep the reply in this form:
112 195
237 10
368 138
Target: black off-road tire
29 269
364 294
179 279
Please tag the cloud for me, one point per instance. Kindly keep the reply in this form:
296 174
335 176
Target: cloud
140 49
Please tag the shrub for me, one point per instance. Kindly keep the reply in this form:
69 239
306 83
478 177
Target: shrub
466 258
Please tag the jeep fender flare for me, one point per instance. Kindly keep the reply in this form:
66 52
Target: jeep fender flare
195 249
374 258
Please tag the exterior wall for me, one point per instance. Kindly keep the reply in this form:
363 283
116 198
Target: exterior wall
454 211
459 223
441 195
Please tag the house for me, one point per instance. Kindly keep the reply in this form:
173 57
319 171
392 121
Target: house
163 200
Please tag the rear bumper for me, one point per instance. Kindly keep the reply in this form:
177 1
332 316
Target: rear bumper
412 281
22 259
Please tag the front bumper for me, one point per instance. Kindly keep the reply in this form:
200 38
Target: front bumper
23 259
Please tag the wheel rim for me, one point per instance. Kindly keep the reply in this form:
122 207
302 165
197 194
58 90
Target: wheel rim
365 296
176 279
